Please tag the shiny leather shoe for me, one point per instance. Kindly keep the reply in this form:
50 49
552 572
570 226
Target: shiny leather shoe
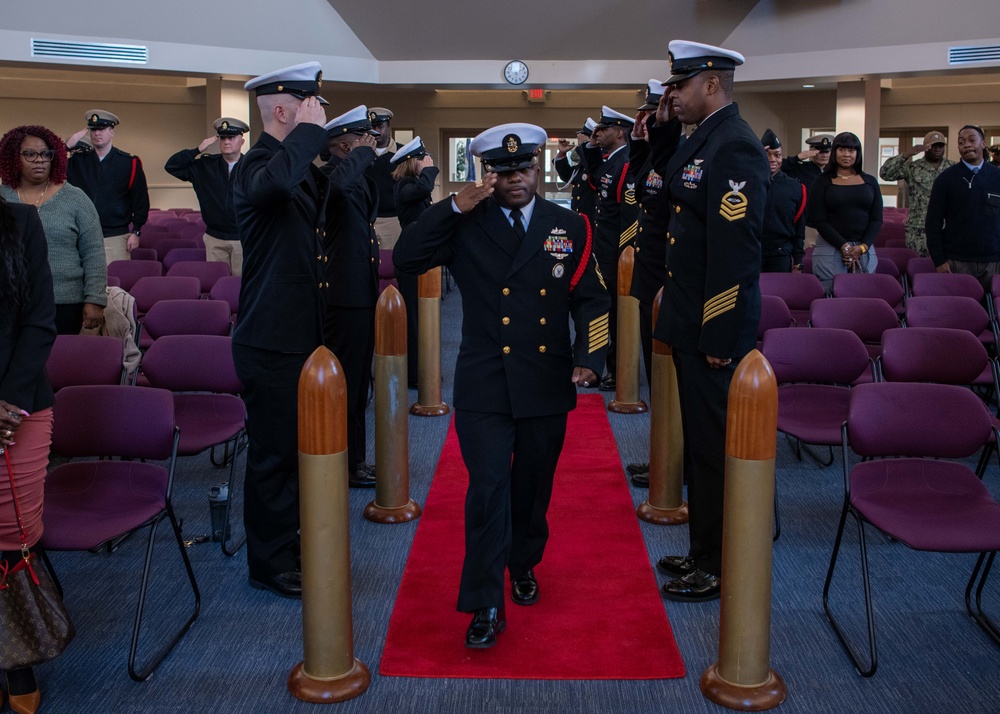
283 584
676 565
487 623
25 703
636 469
640 480
696 586
362 478
524 590
607 383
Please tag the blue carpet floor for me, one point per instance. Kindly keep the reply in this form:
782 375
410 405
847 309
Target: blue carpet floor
238 654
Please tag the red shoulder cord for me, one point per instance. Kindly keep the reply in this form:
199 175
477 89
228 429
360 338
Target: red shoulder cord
584 257
621 181
131 179
802 207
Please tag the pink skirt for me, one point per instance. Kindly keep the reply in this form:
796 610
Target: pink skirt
29 457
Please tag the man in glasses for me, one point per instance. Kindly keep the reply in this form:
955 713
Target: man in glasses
352 272
280 202
211 177
114 181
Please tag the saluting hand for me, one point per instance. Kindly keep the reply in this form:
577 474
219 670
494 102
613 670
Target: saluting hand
665 110
470 196
365 140
311 112
75 139
426 162
207 143
639 132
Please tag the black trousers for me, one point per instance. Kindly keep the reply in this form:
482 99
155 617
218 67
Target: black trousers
511 464
408 289
271 504
704 394
776 264
69 318
350 335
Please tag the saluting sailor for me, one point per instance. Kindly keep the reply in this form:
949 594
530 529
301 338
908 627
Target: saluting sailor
716 182
571 164
524 266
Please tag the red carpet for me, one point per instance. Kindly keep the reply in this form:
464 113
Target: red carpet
600 615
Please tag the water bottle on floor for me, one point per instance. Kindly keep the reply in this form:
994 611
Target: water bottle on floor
217 497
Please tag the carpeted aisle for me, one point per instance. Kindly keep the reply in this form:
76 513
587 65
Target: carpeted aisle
600 615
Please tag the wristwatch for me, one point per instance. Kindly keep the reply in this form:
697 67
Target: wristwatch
797 266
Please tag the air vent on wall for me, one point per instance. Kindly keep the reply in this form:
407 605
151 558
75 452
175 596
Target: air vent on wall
90 51
968 55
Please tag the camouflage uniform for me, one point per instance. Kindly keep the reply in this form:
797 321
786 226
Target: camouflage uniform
919 176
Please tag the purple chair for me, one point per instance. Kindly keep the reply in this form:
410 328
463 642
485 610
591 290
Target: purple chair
114 281
813 368
149 291
185 317
916 266
227 289
867 318
798 290
199 370
887 267
142 254
873 285
773 313
91 503
955 311
922 500
165 245
807 259
85 359
899 256
386 271
128 272
890 231
179 255
207 272
934 284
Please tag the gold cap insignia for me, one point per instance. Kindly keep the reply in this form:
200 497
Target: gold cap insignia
371 117
319 78
512 143
225 125
281 88
94 118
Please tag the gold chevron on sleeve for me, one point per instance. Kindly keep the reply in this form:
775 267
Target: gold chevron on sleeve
721 303
630 197
628 234
598 333
597 269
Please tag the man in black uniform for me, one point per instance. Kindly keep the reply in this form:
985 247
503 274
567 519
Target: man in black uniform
524 266
387 226
616 220
114 181
210 176
571 164
809 164
352 272
717 182
280 201
650 269
784 215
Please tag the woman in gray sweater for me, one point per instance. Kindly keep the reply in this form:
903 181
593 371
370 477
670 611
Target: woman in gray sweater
33 171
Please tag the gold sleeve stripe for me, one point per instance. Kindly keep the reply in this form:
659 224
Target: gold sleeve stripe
599 322
600 331
720 309
628 234
597 342
722 297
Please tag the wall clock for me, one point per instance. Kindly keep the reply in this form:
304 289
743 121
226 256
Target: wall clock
516 72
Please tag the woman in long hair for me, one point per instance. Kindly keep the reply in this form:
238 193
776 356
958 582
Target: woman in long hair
33 171
27 331
845 206
414 175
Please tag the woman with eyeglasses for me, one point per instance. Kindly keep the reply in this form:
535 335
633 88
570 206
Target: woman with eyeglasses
33 172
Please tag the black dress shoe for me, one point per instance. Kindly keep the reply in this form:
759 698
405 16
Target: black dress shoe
283 584
640 480
607 383
676 565
524 590
487 623
635 469
696 586
361 478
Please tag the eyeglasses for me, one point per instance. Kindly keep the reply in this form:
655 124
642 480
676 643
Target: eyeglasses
32 155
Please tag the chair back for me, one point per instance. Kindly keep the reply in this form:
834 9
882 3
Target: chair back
798 290
192 363
917 420
187 317
872 285
149 291
84 359
958 312
113 420
142 254
817 354
163 246
207 272
887 267
227 289
899 256
925 284
890 231
128 272
932 354
866 317
178 255
773 313
916 266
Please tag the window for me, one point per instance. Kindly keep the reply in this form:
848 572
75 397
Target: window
461 164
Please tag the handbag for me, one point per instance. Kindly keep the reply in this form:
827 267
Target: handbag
35 626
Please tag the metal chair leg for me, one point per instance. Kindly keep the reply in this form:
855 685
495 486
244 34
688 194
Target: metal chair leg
976 611
869 611
141 675
228 549
777 516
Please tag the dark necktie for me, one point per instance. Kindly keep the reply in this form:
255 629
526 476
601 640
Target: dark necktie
515 216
